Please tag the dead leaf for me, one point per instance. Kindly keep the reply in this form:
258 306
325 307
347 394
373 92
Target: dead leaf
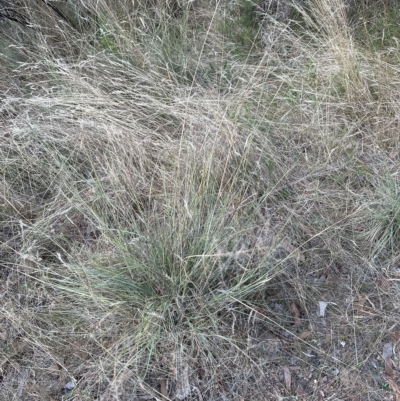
295 313
395 388
305 334
163 388
288 378
395 334
388 366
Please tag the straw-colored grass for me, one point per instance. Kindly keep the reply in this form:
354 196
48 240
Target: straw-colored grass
177 199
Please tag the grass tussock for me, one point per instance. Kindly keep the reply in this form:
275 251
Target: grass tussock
178 200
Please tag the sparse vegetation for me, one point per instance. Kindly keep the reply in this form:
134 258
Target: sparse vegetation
180 203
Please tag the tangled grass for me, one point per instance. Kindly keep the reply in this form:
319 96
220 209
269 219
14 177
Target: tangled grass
176 200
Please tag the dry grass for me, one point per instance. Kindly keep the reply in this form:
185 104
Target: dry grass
176 201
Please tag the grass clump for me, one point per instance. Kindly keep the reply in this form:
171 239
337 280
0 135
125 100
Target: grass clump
178 202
